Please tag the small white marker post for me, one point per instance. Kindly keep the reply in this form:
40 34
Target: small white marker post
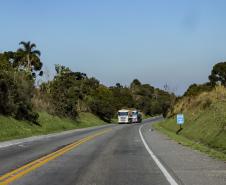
180 121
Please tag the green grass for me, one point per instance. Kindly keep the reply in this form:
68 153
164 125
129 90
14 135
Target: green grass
192 139
114 120
14 129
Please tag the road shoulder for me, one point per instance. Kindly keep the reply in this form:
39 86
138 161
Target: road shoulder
184 164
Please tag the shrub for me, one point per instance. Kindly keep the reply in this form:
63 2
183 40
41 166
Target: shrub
16 91
101 104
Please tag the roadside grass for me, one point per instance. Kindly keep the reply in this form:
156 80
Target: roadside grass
13 129
114 120
163 127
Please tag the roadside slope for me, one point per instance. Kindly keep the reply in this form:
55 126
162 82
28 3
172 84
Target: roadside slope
205 121
14 129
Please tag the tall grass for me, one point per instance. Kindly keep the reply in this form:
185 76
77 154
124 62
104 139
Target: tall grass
200 102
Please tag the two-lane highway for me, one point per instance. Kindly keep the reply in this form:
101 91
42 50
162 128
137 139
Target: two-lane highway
109 155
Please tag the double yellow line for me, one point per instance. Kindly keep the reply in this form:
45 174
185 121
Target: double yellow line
18 173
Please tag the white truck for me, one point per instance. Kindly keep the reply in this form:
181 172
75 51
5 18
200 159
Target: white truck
123 116
136 116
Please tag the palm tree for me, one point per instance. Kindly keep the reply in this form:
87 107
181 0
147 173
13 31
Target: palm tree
30 57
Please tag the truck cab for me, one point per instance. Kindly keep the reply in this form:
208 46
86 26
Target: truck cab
123 116
136 117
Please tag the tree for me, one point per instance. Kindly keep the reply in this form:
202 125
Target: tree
195 89
16 89
118 85
64 94
135 83
60 69
28 58
218 74
6 61
101 103
122 97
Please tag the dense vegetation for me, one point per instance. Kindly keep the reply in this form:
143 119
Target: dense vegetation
17 77
69 92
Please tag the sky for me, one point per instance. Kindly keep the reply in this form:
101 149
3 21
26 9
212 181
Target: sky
174 42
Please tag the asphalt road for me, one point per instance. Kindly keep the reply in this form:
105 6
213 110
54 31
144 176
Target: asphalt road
106 155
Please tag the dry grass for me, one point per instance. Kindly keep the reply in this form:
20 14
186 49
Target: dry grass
200 102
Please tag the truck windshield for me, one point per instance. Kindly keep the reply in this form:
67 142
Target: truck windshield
123 113
135 113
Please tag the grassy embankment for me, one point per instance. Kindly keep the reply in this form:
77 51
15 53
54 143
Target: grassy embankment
14 129
145 116
205 123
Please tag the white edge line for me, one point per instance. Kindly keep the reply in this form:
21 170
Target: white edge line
169 178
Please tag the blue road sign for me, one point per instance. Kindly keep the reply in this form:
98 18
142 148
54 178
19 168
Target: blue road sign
180 119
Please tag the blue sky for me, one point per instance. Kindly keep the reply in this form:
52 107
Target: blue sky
163 41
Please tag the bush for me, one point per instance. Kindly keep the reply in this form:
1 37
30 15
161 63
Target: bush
102 105
16 91
24 112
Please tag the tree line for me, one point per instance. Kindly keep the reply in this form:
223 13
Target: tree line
69 92
217 77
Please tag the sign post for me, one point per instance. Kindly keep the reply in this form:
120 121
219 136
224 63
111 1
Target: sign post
180 121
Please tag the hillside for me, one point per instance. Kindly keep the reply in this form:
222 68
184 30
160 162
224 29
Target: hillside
14 129
205 118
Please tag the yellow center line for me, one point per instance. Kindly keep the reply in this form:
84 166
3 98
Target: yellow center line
18 173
